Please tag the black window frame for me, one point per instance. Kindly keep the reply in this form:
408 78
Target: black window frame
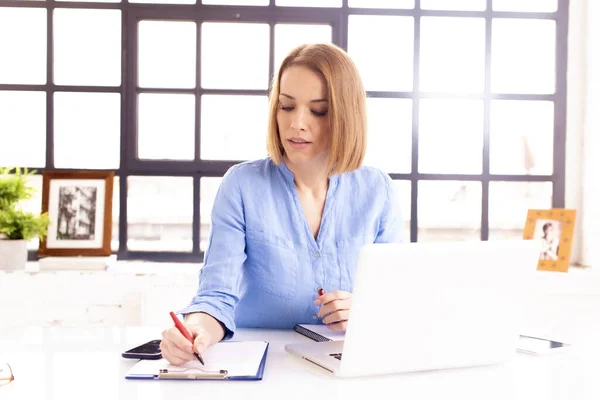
130 165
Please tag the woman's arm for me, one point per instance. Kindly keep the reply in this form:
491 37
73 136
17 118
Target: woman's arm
221 275
391 226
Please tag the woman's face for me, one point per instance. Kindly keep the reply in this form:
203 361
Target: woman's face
302 115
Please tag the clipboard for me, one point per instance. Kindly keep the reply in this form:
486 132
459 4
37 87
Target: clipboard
252 354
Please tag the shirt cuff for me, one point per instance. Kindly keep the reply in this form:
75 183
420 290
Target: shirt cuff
226 322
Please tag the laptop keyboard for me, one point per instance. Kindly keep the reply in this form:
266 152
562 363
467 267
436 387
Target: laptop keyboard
336 355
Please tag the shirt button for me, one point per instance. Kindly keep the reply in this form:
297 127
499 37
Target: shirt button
314 317
317 255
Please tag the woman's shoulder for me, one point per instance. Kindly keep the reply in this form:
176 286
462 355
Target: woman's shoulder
254 172
263 166
367 176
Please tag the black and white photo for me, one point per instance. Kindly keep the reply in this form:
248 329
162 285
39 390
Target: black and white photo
76 213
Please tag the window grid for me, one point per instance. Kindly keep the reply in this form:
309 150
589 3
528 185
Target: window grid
338 18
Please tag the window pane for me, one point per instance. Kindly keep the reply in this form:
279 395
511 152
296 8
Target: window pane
288 36
226 47
403 189
87 130
95 1
523 56
87 47
309 3
23 125
233 127
237 2
451 136
390 134
116 212
529 5
159 213
208 192
166 126
164 1
391 69
23 46
167 54
452 54
449 210
471 5
521 137
382 3
509 202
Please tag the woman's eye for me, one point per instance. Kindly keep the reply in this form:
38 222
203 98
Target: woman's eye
319 113
286 108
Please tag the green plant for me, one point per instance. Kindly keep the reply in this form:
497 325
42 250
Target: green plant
16 224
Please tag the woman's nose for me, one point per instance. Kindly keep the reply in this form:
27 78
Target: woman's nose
299 121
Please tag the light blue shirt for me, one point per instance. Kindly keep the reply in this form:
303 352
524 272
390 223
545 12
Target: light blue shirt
263 266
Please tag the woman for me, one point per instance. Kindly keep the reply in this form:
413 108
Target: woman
285 226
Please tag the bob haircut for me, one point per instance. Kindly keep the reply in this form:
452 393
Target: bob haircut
346 105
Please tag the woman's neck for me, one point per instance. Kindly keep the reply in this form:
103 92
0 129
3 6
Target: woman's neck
309 177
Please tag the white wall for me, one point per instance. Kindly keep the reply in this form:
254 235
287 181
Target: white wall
134 294
583 127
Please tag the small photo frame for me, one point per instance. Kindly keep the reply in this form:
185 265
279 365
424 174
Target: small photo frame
554 230
79 206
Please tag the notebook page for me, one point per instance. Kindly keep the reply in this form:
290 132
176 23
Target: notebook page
238 358
323 330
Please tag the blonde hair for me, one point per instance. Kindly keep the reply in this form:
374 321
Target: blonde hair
347 105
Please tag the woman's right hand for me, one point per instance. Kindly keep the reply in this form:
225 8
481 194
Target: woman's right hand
205 331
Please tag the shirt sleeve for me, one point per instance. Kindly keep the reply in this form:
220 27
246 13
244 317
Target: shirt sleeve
391 227
221 275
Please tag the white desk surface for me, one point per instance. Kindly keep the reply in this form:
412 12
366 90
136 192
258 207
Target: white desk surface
62 363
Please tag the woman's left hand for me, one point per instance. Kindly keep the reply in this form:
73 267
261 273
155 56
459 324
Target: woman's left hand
335 307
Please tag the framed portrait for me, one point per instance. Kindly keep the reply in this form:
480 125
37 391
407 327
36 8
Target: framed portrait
79 206
554 230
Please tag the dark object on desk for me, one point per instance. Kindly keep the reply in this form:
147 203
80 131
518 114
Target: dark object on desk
319 332
147 351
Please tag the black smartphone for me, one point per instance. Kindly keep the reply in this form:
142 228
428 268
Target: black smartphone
147 351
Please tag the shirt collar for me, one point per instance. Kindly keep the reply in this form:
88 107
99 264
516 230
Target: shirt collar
289 175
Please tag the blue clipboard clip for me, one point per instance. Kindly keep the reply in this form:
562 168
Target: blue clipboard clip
192 373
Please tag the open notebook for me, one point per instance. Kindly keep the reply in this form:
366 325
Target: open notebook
223 360
319 333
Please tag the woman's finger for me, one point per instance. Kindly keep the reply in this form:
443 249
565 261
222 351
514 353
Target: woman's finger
338 316
334 306
173 355
175 339
331 296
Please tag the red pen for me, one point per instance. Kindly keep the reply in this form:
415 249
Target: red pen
185 333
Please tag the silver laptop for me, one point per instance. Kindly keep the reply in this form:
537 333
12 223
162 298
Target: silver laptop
429 306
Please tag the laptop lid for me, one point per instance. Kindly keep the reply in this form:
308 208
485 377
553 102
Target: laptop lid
424 306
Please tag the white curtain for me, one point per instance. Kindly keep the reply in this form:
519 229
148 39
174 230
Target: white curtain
583 129
590 205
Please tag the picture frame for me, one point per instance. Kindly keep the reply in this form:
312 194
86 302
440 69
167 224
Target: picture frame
554 229
79 206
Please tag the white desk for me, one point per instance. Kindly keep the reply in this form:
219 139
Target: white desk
62 363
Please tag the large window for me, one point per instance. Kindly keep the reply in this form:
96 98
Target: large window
466 104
